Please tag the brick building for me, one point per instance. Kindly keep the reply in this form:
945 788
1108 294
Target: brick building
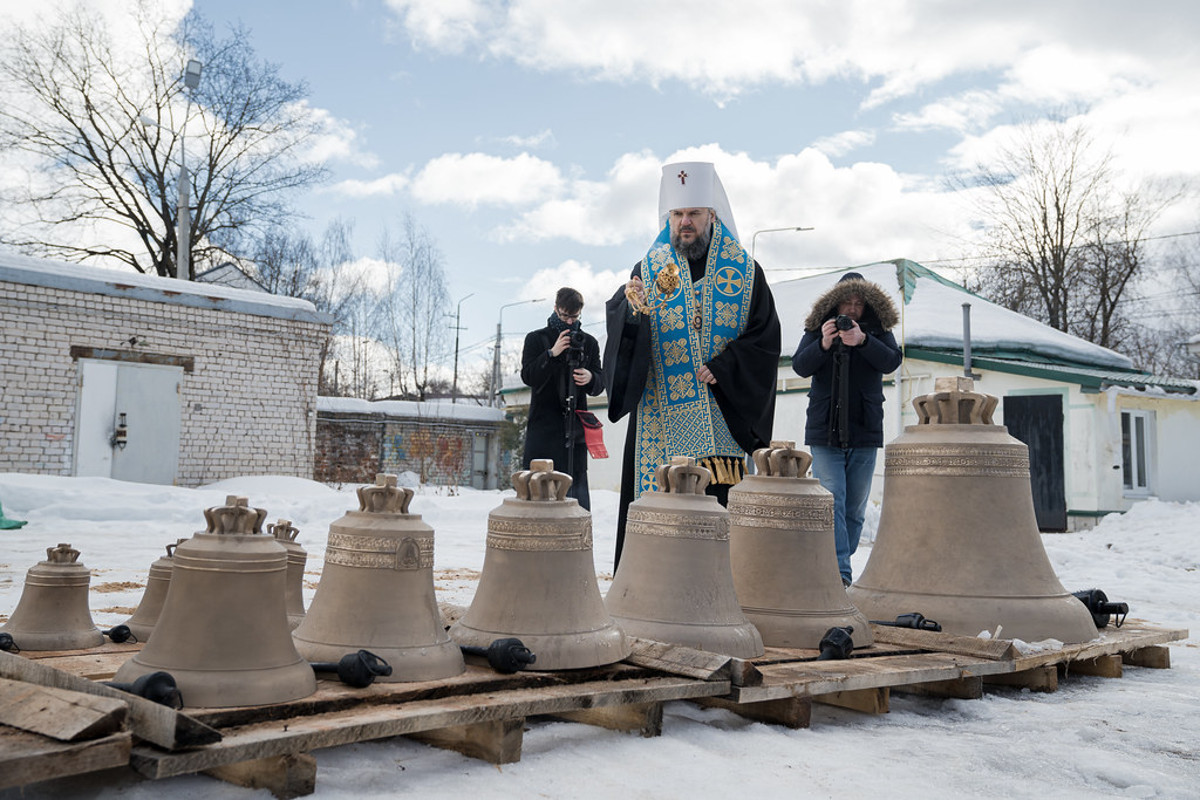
150 379
442 443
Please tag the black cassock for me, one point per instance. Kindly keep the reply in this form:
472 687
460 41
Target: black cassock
746 372
549 378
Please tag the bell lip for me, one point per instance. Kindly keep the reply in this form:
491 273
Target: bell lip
557 651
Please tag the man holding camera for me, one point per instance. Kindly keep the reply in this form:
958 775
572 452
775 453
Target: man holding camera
846 349
561 364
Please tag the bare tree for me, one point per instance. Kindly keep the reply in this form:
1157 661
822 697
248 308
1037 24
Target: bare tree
1066 245
414 306
103 185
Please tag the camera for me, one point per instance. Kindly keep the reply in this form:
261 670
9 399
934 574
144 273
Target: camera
575 356
844 323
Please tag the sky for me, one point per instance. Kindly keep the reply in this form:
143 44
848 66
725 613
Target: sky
528 136
1095 738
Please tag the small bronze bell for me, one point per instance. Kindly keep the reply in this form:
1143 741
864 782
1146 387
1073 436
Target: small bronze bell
285 533
958 541
674 583
783 554
53 612
539 580
223 631
376 591
145 617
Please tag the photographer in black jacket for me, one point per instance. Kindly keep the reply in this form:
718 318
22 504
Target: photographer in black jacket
561 364
846 349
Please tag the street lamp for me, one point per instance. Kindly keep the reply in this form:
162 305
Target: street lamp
770 230
183 217
457 328
183 261
496 355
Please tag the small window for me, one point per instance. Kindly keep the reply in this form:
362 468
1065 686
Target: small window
1137 448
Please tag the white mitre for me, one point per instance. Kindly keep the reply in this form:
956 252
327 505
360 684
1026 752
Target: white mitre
693 184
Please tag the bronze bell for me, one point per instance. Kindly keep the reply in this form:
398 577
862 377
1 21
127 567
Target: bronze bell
53 612
223 631
674 583
539 580
376 591
145 617
285 533
783 554
958 541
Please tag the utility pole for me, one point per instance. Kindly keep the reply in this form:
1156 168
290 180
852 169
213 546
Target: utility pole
457 328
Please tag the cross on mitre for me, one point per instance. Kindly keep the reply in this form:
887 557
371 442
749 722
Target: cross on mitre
682 178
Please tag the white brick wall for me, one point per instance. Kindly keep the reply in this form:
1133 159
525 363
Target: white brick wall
248 407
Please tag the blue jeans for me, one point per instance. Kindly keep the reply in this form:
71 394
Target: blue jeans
847 474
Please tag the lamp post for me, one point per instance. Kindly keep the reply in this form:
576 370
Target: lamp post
183 261
457 328
496 354
770 230
183 217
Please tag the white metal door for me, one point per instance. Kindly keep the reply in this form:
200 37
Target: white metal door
148 397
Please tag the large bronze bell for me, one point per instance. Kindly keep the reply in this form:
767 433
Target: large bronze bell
53 612
376 591
285 533
145 616
783 554
539 581
958 541
674 583
223 631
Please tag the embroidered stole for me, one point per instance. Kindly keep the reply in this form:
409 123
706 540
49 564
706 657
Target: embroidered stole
691 323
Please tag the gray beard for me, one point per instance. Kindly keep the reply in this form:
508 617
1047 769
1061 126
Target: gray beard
698 248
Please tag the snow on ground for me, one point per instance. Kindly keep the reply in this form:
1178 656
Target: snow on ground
1095 738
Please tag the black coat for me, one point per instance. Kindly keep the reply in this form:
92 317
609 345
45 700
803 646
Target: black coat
549 378
868 363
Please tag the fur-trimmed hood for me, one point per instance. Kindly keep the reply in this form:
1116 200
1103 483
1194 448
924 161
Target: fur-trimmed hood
878 304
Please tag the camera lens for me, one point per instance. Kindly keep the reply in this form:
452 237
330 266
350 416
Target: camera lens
844 323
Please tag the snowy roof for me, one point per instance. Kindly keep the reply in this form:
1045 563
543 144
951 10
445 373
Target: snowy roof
931 317
154 289
433 409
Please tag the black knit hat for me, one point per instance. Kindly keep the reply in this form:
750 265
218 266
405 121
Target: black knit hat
851 276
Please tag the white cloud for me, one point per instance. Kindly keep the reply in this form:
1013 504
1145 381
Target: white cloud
962 113
841 143
336 140
1064 50
530 142
474 179
384 186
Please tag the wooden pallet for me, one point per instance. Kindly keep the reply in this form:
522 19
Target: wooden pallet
787 682
484 714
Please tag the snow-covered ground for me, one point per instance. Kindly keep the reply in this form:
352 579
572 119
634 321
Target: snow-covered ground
1095 738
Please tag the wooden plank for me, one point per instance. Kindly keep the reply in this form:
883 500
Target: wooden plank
1043 678
967 688
28 758
992 649
811 678
496 741
645 718
332 695
293 775
303 734
155 723
679 660
1108 666
59 713
1156 657
95 666
1131 636
869 701
790 712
